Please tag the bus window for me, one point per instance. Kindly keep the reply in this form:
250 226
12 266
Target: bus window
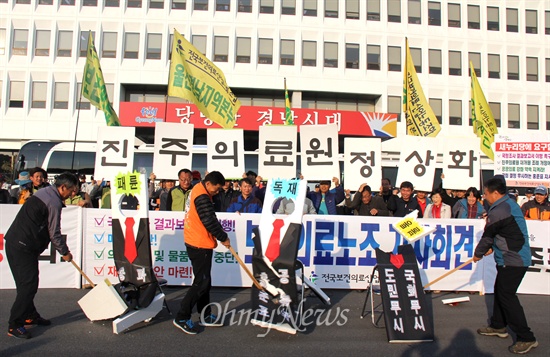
32 154
143 163
60 161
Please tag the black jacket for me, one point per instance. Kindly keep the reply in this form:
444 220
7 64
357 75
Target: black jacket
223 199
401 208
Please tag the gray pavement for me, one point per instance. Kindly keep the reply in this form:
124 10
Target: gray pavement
342 332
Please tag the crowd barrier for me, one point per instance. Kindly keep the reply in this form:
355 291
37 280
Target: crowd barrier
337 251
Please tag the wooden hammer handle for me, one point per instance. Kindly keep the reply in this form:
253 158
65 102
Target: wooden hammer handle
449 272
248 272
82 273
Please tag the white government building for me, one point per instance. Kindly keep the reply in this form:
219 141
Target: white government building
335 55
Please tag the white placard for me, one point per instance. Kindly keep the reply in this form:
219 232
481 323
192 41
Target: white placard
225 152
417 162
277 151
461 163
114 151
319 152
362 163
173 149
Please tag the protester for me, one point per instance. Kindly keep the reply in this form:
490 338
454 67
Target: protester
224 198
506 235
36 225
101 191
386 190
529 196
245 202
79 198
437 209
365 204
5 196
258 188
85 186
178 196
325 201
29 182
513 194
401 206
200 232
423 200
539 208
196 177
470 206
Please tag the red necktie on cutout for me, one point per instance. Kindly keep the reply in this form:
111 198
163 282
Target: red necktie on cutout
130 251
274 245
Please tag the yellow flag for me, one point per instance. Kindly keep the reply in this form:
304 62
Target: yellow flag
195 78
288 112
483 121
93 85
421 120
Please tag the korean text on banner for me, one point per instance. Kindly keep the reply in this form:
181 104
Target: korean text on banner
417 162
225 152
114 151
421 120
194 77
461 163
319 151
173 149
362 162
483 121
277 154
93 85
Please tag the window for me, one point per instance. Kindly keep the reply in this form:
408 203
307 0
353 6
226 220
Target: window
61 95
434 13
513 67
352 9
416 55
394 10
20 42
492 19
108 49
154 46
495 109
455 112
310 7
455 63
133 4
199 41
352 55
533 117
83 43
84 103
44 2
66 2
395 105
373 57
243 50
547 67
437 108
475 58
266 6
221 48
331 55
414 12
454 15
512 20
547 22
156 4
179 4
24 2
131 45
513 116
39 94
288 7
532 69
373 10
309 53
17 93
223 5
530 21
394 59
112 3
42 43
200 5
331 8
64 43
265 51
494 66
287 52
89 3
2 41
473 17
435 61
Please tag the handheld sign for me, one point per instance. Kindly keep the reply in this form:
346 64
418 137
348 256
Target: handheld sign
410 228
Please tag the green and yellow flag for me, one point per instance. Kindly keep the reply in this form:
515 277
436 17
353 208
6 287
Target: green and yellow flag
421 120
288 112
483 121
195 78
93 85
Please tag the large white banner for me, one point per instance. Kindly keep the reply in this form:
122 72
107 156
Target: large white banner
114 151
225 152
362 162
173 149
417 162
461 163
54 272
277 151
319 152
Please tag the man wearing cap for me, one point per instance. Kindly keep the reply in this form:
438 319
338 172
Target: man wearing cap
5 196
529 196
513 194
539 208
325 200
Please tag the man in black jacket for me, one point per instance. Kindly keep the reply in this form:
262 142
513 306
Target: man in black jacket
223 199
36 225
401 206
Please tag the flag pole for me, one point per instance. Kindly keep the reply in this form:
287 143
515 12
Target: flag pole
76 129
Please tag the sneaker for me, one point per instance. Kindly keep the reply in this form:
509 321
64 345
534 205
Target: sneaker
522 347
210 321
20 332
40 321
489 331
186 326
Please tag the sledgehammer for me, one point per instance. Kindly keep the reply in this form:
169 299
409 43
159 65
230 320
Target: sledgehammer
248 272
82 273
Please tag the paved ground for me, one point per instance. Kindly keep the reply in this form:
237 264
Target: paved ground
71 333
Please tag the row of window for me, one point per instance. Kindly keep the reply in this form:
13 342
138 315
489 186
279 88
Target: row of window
153 49
352 11
61 94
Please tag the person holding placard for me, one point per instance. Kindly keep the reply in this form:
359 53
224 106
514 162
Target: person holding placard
365 204
402 206
437 209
